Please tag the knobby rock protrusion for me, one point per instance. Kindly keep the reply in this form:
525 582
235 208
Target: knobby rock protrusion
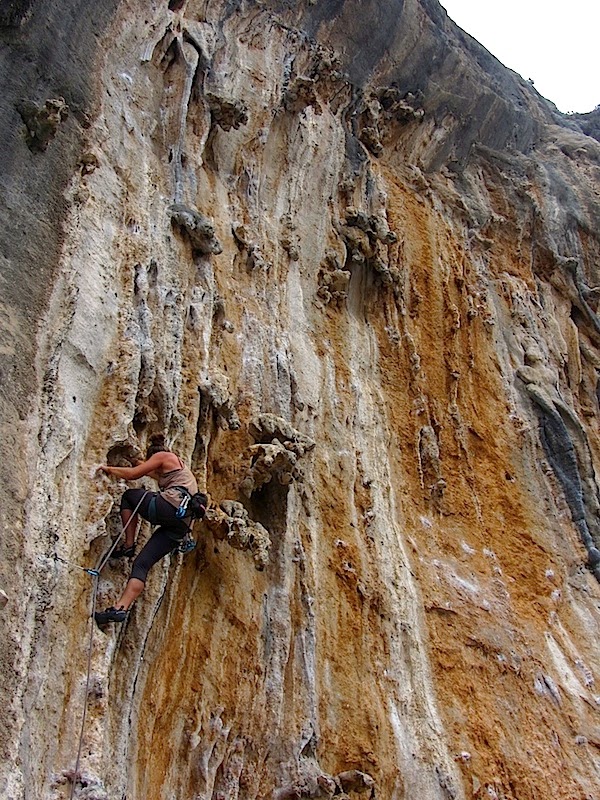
383 110
314 783
430 465
248 247
42 122
333 280
200 229
276 454
367 237
215 395
301 94
231 523
227 113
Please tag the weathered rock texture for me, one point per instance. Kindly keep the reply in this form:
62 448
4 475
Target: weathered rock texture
349 219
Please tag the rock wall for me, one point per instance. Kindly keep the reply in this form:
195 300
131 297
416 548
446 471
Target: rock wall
348 264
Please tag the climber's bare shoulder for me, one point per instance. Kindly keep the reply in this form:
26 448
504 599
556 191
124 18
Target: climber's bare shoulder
168 462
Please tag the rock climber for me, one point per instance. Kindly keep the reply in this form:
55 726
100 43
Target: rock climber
168 508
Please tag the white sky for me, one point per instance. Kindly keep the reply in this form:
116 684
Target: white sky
554 42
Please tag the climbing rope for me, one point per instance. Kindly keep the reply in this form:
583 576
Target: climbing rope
87 686
95 573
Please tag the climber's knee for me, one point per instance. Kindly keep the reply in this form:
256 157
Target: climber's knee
131 498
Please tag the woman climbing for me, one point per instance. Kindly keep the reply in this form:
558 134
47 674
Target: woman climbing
170 508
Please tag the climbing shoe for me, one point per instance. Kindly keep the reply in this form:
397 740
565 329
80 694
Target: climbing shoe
123 552
187 544
111 614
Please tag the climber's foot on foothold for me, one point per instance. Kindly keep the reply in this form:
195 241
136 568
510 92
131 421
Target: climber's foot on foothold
111 614
123 552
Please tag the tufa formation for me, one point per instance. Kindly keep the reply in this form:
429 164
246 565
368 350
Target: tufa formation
349 266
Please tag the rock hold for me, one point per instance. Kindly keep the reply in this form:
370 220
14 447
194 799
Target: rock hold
42 121
215 394
254 255
327 785
593 557
269 426
326 68
430 468
301 94
88 163
374 225
380 110
312 783
333 280
227 113
91 788
270 461
369 136
232 524
289 240
367 238
355 781
199 228
276 454
399 106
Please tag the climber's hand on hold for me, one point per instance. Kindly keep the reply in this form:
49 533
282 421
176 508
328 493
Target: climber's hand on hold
152 467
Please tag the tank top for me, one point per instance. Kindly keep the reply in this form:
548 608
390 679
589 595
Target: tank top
176 477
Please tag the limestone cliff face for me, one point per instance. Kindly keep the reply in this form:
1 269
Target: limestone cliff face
349 265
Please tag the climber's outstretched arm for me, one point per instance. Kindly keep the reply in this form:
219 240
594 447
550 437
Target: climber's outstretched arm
153 464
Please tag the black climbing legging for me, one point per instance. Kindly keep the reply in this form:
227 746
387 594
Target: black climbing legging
164 539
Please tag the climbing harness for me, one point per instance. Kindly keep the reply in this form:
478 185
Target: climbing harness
183 503
95 573
192 505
